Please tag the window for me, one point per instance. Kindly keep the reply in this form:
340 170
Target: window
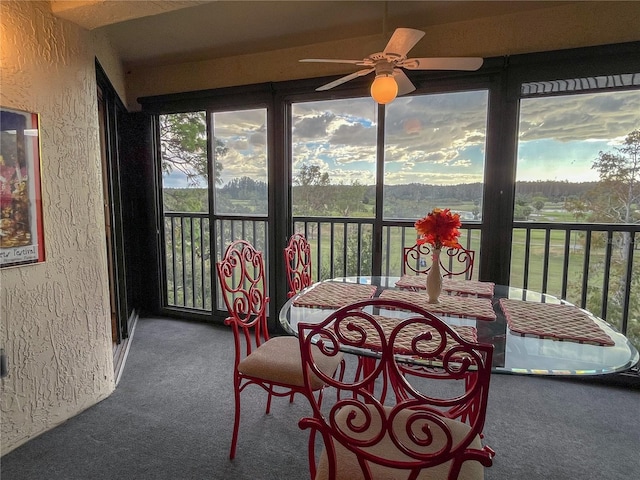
521 135
239 168
434 154
240 162
560 138
183 147
333 147
578 167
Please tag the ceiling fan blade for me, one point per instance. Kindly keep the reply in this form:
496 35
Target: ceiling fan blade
404 84
402 40
442 63
345 79
330 60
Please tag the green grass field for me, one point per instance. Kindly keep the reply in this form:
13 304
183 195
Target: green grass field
393 244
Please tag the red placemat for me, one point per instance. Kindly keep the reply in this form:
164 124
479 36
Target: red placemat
334 295
473 307
468 287
405 336
554 321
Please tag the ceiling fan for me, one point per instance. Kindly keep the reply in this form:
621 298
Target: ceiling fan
390 79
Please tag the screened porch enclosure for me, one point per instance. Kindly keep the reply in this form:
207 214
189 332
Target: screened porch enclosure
510 148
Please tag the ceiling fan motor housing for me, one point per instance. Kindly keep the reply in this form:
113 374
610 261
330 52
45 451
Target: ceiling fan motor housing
384 67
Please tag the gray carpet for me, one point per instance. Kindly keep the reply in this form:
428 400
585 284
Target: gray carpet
171 418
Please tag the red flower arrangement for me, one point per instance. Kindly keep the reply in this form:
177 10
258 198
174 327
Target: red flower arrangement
439 228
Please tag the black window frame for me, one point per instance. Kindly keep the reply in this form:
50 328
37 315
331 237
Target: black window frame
503 76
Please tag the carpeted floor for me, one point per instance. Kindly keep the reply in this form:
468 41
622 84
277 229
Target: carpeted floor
171 418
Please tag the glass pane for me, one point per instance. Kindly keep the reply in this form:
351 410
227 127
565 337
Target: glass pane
183 144
187 260
334 158
240 162
560 140
578 162
434 154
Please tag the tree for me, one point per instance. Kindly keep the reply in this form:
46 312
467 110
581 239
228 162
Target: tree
358 261
522 200
521 212
310 175
616 199
242 195
347 200
246 188
538 204
183 143
310 198
577 206
620 180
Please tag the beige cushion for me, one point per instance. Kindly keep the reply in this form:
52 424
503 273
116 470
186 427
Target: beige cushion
349 469
279 360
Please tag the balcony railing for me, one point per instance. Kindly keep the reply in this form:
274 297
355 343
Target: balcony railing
590 265
188 257
343 246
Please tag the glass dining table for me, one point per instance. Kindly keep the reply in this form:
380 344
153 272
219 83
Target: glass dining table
532 333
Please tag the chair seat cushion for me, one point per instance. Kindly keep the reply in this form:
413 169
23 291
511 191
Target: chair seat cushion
279 360
349 469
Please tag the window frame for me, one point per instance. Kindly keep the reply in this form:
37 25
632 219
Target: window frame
502 76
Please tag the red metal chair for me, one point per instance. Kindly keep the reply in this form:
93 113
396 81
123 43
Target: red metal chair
453 261
297 258
429 425
272 363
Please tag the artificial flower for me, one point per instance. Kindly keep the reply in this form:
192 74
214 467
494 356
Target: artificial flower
439 229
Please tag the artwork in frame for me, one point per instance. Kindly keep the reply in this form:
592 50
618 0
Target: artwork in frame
21 229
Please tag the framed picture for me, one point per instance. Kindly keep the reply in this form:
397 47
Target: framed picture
21 229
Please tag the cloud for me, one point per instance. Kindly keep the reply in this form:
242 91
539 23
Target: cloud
422 133
354 155
443 178
258 139
436 138
311 127
354 134
462 163
347 177
443 119
602 116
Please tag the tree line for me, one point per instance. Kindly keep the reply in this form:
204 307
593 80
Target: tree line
343 200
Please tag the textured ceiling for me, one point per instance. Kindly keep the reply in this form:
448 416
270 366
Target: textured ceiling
163 32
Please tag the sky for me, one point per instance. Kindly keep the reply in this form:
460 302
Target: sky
437 139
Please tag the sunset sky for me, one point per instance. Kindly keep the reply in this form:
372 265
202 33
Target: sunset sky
436 139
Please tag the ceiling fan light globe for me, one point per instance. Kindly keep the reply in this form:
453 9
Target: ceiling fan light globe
384 89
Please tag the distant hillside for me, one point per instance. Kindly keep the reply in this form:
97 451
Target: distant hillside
243 191
553 190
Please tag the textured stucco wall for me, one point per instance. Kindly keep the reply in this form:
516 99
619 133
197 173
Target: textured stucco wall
567 26
55 325
110 62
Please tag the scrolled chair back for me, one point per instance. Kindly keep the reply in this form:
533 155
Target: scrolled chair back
417 259
458 261
297 258
241 276
391 420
